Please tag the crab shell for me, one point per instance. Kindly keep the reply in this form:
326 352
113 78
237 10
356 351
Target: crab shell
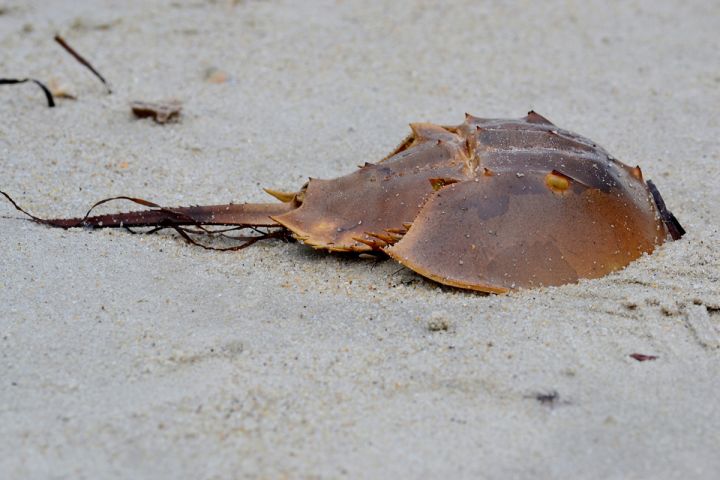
488 205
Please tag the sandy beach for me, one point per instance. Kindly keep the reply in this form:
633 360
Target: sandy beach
134 356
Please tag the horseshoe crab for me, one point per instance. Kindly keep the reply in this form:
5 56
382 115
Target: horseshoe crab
488 205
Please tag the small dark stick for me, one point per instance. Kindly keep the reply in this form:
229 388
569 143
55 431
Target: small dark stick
548 398
641 357
82 60
673 225
46 90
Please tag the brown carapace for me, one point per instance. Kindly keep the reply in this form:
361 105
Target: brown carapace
488 205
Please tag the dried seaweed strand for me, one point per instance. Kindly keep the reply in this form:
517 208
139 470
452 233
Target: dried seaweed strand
673 225
641 357
45 89
61 41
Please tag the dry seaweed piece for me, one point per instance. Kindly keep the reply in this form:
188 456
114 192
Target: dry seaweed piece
550 398
58 92
672 223
45 89
489 205
61 89
641 357
61 41
161 112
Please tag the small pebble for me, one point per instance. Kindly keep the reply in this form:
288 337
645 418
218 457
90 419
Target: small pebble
217 76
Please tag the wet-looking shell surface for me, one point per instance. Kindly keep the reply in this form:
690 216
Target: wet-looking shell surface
488 205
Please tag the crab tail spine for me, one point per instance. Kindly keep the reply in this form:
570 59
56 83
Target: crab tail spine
238 215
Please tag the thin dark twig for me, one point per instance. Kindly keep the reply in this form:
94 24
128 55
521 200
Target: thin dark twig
61 41
185 233
377 261
397 271
220 232
46 90
250 240
673 225
151 231
213 234
228 229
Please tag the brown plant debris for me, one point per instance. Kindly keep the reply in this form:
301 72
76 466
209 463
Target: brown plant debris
161 112
641 357
549 399
61 41
45 89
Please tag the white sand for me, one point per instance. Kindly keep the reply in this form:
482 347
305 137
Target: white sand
142 357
